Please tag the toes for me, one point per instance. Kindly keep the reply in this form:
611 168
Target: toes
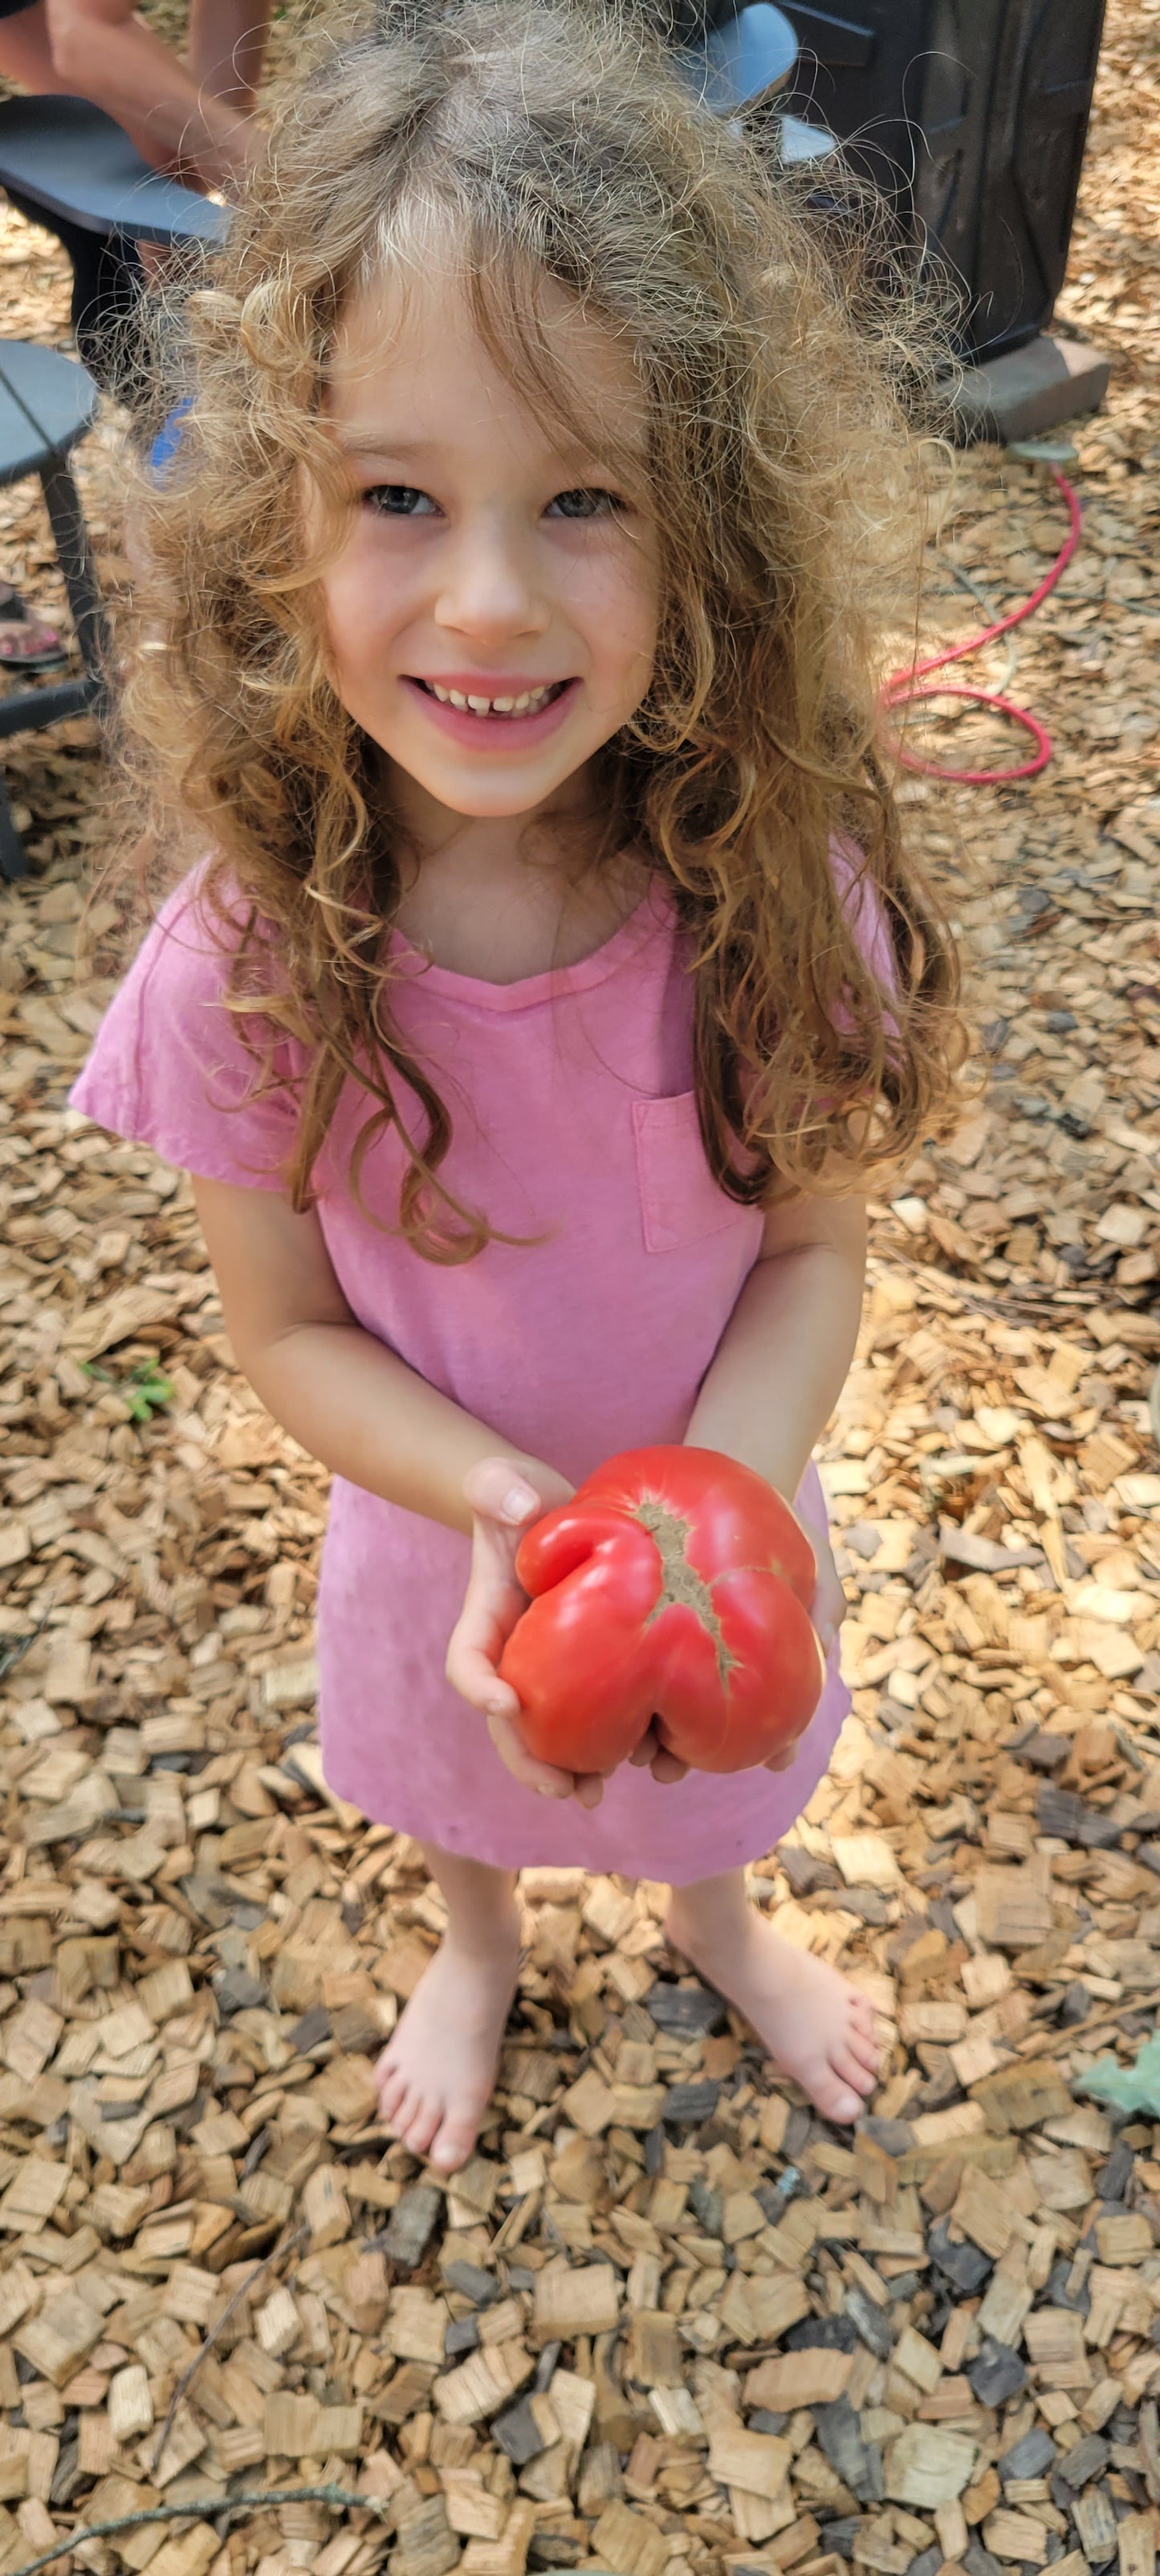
861 2043
422 2125
838 2102
406 2110
391 2086
453 2144
847 2067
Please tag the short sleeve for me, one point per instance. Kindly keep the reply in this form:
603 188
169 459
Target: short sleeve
170 1067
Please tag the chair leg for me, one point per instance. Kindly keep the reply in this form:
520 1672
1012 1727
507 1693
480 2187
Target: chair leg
75 556
13 858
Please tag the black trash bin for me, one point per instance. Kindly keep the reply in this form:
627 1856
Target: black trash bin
972 116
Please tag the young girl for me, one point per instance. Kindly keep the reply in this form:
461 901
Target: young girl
544 976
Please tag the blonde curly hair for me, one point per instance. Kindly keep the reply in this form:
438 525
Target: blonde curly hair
556 138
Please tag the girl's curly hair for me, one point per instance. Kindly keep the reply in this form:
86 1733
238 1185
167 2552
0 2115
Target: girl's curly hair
556 138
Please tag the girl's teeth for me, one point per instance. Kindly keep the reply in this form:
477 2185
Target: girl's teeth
531 699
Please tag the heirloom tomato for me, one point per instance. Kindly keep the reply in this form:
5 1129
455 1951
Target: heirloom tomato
674 1586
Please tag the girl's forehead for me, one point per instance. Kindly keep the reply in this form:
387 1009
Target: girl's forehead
413 341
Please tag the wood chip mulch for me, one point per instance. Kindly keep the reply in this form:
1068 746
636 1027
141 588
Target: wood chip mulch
666 2319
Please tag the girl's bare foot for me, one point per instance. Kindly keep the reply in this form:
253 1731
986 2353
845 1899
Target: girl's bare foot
814 2023
435 2077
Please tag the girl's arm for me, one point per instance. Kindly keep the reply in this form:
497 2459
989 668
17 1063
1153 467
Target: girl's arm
336 1388
783 1358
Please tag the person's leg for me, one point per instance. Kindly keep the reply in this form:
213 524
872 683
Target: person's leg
436 2075
814 2023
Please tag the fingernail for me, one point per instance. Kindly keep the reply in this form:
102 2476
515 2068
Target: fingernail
518 1503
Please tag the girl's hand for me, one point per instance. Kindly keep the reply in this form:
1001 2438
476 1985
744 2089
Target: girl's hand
506 1495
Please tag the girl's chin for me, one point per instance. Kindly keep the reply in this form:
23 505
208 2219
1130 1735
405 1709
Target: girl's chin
489 801
486 791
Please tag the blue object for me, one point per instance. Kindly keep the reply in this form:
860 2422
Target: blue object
744 59
167 443
750 55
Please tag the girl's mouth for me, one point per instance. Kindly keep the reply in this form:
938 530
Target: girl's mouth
507 710
482 721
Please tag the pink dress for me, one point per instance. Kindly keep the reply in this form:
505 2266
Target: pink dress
574 1123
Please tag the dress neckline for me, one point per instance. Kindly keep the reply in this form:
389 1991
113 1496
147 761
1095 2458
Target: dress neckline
654 911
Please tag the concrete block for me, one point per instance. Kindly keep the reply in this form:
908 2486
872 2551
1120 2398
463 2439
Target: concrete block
1028 390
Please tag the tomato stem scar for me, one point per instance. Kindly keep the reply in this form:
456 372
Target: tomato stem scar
682 1583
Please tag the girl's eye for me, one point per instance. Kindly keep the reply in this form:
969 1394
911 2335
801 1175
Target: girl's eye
399 501
585 505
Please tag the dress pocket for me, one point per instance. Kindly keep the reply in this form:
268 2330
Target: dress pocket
679 1198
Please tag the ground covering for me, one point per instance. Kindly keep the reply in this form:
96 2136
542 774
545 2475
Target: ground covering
666 2318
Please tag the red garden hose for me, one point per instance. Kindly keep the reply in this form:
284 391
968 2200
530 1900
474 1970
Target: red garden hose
901 689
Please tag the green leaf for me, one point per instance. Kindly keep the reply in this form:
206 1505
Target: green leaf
147 1388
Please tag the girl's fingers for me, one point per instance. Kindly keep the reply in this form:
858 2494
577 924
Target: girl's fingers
473 1651
491 1606
650 1754
473 1674
541 1776
498 1490
666 1768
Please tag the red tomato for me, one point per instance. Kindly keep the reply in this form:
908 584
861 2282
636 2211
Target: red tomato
674 1585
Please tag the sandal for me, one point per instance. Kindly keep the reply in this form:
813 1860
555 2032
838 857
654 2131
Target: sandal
47 655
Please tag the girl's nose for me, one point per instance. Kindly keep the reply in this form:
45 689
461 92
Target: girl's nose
489 587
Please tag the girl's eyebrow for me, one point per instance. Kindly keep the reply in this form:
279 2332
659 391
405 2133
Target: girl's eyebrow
379 444
373 442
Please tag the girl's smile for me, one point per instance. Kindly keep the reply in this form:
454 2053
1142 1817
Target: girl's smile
481 712
492 614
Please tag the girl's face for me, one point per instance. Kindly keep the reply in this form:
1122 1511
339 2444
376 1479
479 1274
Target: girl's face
492 615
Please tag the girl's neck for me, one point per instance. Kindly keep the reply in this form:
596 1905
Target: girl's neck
504 898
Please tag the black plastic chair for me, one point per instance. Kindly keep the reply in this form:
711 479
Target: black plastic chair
48 403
